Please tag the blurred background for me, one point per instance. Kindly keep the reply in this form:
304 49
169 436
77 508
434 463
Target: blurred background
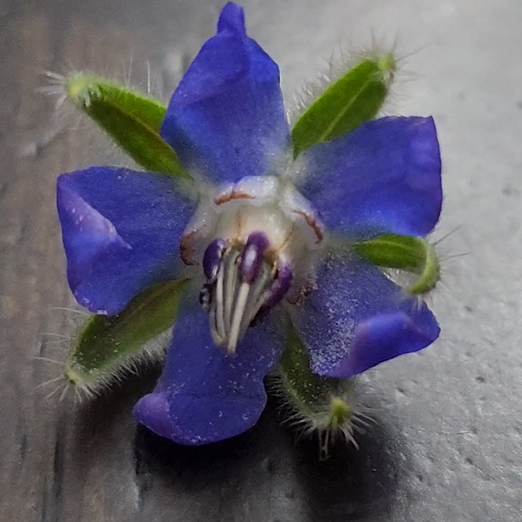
446 444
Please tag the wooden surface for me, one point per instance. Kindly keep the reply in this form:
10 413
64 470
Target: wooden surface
446 443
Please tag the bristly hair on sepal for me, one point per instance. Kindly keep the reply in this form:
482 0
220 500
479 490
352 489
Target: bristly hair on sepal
105 349
336 419
318 406
68 376
108 347
89 385
339 64
392 56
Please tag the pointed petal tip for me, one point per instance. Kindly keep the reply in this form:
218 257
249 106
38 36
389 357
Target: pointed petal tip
352 326
232 19
86 236
427 166
383 177
152 411
192 421
90 226
385 337
112 251
205 396
226 120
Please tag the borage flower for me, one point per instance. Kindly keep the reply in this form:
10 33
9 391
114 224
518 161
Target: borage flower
259 235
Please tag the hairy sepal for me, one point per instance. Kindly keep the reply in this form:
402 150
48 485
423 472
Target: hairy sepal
105 346
313 404
352 99
412 254
131 119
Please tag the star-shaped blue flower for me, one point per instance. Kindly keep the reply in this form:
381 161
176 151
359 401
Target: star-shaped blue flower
255 235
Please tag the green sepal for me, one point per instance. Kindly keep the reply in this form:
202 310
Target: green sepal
356 97
131 119
413 254
323 405
105 345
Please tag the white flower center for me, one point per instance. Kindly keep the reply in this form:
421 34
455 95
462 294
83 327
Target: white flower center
257 240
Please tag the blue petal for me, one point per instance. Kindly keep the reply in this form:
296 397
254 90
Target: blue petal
226 118
384 177
204 394
121 232
357 318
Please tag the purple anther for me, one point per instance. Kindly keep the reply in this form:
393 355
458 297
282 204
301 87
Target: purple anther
280 286
278 290
252 256
212 257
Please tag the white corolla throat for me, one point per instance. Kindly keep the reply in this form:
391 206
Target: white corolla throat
257 241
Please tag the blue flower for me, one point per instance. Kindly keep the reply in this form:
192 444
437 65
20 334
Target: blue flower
258 235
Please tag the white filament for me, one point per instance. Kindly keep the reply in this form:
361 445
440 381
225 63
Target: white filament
237 303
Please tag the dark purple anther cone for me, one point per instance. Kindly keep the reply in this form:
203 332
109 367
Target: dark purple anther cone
212 257
280 286
252 256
